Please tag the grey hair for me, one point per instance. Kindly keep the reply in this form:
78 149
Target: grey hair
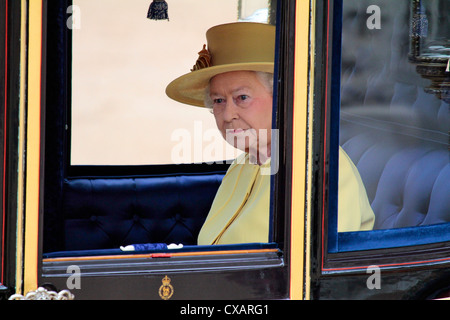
266 79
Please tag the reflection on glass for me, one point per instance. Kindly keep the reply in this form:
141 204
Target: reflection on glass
395 130
430 25
430 44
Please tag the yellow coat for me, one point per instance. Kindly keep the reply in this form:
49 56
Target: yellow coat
354 210
240 211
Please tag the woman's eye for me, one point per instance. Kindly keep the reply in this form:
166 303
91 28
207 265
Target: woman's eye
243 97
218 101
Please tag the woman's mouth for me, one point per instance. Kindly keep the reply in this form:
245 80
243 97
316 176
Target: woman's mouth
236 131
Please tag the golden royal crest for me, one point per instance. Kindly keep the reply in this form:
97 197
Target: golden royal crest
166 290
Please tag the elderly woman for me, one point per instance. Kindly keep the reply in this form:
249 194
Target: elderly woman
233 76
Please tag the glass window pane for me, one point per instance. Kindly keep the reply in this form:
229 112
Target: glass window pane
395 110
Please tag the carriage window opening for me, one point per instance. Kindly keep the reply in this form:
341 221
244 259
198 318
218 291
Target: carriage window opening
122 117
394 123
121 65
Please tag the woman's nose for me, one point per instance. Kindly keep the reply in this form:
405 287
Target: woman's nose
230 111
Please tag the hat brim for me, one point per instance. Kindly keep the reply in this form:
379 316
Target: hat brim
190 88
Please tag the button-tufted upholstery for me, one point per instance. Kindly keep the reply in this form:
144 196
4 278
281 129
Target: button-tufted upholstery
406 171
103 213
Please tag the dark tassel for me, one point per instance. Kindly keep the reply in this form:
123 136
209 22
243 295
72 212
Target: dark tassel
158 10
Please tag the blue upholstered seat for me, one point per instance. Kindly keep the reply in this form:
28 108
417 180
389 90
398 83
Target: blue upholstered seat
402 153
105 213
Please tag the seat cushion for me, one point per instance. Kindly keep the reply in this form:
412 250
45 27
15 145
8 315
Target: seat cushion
102 213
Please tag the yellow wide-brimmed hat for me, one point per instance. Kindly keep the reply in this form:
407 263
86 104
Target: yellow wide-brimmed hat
236 46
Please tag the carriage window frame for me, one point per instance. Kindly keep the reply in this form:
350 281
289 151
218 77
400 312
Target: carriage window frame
10 114
358 243
3 105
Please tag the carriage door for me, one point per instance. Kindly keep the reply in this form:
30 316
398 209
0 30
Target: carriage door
384 104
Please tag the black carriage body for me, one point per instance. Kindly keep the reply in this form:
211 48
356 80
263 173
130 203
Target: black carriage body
87 212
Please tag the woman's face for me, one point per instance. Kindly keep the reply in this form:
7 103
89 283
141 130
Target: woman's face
242 107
